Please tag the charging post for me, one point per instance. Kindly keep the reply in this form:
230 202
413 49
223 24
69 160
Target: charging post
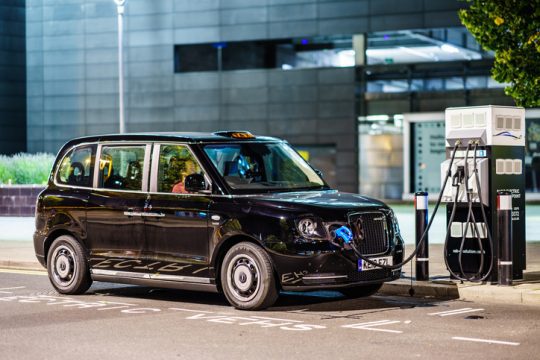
421 220
504 219
489 146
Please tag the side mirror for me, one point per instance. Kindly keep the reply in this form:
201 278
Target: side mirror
195 183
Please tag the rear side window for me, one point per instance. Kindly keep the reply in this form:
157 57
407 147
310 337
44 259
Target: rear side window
77 167
121 167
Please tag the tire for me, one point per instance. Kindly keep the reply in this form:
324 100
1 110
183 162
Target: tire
247 277
67 266
361 291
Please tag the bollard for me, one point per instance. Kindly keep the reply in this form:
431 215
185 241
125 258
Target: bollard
421 215
504 221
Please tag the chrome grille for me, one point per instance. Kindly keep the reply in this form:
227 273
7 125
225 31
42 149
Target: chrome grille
370 231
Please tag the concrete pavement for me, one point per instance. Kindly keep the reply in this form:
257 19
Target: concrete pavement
17 251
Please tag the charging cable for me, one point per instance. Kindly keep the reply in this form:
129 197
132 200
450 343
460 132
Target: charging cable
413 254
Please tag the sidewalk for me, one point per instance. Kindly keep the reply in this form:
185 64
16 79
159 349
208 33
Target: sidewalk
17 252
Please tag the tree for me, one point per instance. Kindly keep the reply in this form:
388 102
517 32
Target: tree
510 28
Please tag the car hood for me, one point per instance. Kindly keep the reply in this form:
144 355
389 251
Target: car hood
312 200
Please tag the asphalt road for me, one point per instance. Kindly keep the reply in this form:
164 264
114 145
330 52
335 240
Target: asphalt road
121 322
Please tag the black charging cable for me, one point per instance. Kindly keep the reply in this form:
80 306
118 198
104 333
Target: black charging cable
470 216
413 254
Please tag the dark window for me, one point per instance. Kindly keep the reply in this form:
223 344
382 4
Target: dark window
77 167
200 57
265 54
249 55
121 167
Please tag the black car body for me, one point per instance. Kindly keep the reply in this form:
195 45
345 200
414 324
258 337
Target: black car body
109 213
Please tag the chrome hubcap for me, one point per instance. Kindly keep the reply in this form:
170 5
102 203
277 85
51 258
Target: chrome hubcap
64 266
243 276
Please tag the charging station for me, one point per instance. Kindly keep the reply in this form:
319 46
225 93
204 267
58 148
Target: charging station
489 146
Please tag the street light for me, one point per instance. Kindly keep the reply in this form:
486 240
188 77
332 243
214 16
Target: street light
120 9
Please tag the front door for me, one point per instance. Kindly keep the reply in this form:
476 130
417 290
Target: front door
177 236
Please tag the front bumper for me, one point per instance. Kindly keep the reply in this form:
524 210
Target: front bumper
331 270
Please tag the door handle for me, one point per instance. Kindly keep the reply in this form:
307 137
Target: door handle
130 212
153 214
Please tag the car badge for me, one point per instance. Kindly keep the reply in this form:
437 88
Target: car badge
359 230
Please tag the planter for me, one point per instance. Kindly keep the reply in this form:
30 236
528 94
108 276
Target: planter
19 200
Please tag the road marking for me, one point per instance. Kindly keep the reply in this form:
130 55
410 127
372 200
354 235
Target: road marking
455 312
3 290
25 272
260 321
486 341
371 326
13 288
195 311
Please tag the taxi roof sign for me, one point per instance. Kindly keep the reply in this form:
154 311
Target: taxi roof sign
236 134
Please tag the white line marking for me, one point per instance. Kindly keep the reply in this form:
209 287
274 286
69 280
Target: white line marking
455 312
370 326
195 311
486 341
449 311
13 288
462 312
269 318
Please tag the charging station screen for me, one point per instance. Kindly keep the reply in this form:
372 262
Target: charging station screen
427 153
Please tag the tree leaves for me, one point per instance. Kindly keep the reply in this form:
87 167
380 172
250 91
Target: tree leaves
510 28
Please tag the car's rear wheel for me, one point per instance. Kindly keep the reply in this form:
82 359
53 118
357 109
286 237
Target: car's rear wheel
361 291
247 277
67 266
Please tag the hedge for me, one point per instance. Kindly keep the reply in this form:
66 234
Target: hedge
25 168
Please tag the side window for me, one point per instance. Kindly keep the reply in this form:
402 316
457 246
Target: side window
176 162
121 167
77 167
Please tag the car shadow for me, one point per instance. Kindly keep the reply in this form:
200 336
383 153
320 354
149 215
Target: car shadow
315 301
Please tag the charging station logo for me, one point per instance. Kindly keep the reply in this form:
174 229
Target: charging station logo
508 134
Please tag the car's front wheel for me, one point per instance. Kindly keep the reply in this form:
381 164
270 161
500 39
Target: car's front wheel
361 291
247 277
67 266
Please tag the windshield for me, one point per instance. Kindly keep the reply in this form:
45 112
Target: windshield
262 166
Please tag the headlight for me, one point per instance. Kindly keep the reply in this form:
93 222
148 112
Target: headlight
311 228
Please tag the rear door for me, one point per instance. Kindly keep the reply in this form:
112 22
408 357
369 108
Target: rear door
115 212
178 235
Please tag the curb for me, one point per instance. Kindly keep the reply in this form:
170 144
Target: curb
519 294
425 289
21 265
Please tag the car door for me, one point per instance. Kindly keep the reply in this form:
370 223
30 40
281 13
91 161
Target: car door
178 237
115 220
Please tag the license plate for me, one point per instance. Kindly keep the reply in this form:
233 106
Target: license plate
365 266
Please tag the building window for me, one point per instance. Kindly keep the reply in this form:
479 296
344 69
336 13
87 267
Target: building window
265 54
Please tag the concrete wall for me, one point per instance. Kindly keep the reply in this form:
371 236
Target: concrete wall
12 77
72 69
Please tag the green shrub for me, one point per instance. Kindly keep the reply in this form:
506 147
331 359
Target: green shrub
25 168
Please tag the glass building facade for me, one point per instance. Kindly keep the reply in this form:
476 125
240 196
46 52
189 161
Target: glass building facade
334 78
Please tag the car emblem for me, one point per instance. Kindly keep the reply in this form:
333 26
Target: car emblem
359 232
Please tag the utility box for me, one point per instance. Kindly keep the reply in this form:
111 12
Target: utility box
490 158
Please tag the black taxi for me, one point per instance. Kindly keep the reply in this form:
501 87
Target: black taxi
225 212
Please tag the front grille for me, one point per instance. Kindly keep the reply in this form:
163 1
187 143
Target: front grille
371 275
370 232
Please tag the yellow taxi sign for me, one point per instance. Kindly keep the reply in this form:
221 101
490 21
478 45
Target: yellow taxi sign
236 134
